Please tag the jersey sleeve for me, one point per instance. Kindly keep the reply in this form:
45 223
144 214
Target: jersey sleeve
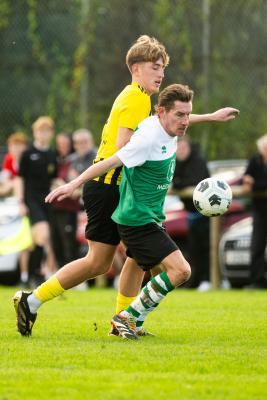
6 165
136 152
135 110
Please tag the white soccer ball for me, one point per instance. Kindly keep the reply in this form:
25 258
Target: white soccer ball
212 197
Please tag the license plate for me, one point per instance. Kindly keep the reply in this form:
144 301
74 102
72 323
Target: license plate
237 257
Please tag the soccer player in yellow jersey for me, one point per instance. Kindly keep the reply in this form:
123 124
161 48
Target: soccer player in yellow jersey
146 60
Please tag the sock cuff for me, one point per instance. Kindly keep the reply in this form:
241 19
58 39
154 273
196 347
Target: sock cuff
49 289
123 302
164 277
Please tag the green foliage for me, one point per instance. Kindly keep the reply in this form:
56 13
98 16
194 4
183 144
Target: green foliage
67 59
209 346
5 10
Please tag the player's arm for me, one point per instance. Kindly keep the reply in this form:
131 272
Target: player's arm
124 136
90 173
19 194
221 115
248 182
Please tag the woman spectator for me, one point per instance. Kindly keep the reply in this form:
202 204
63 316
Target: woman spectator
64 213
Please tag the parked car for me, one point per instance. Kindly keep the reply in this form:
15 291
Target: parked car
234 253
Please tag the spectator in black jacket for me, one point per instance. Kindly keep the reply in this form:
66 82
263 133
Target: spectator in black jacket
190 169
255 180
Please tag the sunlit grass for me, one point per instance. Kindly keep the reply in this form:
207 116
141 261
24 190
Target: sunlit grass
208 346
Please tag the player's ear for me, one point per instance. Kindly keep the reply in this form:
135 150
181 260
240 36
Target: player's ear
134 68
161 110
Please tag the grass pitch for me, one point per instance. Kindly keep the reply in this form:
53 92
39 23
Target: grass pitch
208 346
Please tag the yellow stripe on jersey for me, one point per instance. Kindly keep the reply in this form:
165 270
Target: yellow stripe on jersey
130 108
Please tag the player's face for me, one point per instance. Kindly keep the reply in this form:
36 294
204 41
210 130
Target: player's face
16 149
43 135
149 75
176 120
63 145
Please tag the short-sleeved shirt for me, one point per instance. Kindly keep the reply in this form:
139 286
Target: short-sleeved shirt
9 166
131 107
37 168
81 163
149 163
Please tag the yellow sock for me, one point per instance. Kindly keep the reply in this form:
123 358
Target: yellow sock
123 302
48 290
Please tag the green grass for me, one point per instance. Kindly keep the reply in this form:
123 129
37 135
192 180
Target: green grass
208 346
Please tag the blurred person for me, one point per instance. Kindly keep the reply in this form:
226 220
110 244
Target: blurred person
17 143
190 169
64 214
85 151
255 181
146 60
37 169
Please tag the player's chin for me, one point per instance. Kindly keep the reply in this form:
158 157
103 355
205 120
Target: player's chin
156 89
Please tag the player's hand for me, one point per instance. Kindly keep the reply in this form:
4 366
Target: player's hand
60 193
224 114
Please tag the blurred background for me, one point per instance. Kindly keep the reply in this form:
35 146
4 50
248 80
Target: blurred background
66 59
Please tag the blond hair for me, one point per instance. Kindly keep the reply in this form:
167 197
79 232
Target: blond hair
17 137
146 49
43 121
261 142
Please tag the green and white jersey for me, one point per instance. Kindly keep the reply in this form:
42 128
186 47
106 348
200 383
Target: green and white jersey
149 163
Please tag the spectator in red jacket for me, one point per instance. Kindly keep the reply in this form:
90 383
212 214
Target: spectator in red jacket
17 143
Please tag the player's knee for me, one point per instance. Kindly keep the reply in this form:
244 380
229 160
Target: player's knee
186 271
95 266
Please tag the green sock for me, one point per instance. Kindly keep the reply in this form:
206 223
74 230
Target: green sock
149 298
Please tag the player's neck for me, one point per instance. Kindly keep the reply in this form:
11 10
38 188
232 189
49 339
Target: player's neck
41 146
140 84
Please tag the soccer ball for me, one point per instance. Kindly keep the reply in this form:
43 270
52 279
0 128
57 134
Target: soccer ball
212 197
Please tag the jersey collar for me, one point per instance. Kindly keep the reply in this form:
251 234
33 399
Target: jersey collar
140 87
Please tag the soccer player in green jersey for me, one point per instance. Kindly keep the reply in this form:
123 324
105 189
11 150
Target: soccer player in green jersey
149 163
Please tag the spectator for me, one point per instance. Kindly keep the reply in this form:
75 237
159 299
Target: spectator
190 169
17 143
64 213
85 150
37 169
255 181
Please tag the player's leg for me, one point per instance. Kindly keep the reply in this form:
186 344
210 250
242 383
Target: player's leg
176 271
150 245
40 237
96 262
130 282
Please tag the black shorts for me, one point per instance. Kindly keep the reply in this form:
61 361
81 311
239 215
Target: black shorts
100 201
39 211
148 244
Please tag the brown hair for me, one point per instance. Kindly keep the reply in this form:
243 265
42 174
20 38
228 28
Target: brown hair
173 93
146 49
17 137
43 121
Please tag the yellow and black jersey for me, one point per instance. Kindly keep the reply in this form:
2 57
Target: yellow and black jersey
130 108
